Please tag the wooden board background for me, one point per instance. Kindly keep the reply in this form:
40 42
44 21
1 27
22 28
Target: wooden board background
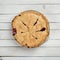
10 49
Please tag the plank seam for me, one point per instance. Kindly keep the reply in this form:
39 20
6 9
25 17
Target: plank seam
29 56
34 4
33 48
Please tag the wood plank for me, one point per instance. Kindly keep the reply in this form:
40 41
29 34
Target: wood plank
18 8
14 9
49 43
9 18
6 18
31 58
9 43
40 51
5 26
52 9
5 34
8 26
53 18
28 1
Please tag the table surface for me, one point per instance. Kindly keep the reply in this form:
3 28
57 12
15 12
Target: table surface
10 49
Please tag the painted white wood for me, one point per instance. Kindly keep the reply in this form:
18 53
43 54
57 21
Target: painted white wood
39 51
53 18
54 34
9 26
52 9
6 18
6 35
13 9
9 18
19 8
5 26
9 43
31 58
51 43
28 1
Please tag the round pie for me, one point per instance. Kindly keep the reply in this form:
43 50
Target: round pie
30 28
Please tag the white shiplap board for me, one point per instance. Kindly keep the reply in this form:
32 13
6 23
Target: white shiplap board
31 58
7 25
48 43
14 9
20 51
7 34
9 17
29 2
10 49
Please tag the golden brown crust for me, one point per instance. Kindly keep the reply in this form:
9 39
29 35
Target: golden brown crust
29 37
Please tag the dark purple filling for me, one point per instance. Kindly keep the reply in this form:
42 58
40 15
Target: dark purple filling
14 31
43 29
19 15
